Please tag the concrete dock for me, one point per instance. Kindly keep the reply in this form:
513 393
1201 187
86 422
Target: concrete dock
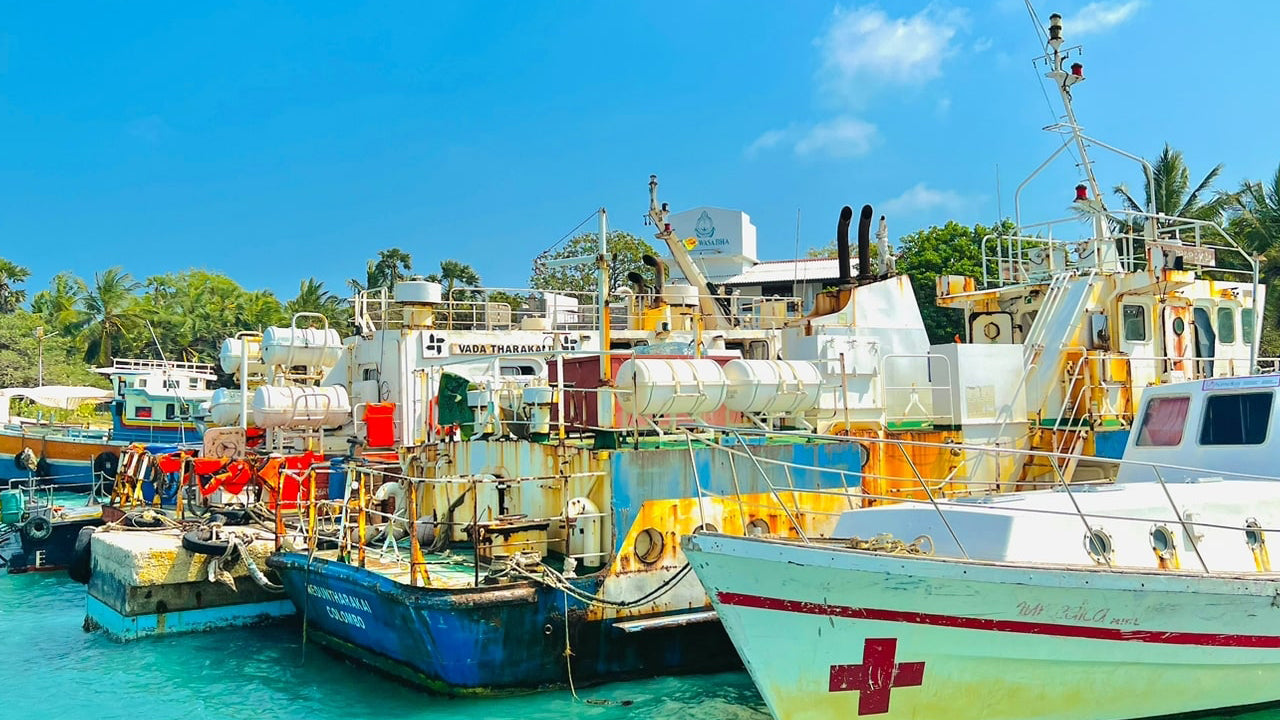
144 582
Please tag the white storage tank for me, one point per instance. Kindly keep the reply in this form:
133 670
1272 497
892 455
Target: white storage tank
670 386
224 408
772 386
229 354
301 406
310 347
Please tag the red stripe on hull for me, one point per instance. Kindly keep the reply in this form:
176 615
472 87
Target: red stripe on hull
1013 626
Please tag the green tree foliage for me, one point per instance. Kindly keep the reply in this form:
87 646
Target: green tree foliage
952 249
20 350
57 305
1174 195
192 311
11 275
454 275
625 253
108 315
392 266
313 298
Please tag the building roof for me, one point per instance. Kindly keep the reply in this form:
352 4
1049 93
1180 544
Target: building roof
775 271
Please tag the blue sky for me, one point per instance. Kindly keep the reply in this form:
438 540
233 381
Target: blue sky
277 141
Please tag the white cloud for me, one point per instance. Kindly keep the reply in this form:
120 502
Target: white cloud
864 48
983 44
767 141
1100 16
921 197
841 137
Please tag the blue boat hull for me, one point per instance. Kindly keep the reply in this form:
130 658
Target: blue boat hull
490 640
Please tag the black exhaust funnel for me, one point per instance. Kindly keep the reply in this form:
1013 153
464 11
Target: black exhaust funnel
659 270
842 244
865 273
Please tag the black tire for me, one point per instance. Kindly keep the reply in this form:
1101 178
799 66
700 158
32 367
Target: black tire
44 469
37 528
81 565
105 467
25 459
201 542
230 516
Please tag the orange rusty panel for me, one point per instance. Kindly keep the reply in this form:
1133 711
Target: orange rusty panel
896 471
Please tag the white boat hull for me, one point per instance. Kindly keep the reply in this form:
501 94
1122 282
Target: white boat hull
835 633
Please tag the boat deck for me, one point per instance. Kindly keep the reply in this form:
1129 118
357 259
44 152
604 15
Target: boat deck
451 569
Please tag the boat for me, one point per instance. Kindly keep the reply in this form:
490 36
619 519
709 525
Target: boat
43 526
1142 589
1148 597
151 401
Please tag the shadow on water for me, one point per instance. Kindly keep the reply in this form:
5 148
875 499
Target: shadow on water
52 668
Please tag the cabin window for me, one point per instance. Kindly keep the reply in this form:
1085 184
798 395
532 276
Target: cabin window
142 411
142 382
1239 419
518 368
193 383
1163 422
170 411
170 384
1135 323
1226 325
1246 324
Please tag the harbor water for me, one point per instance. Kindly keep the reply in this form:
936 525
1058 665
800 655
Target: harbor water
52 668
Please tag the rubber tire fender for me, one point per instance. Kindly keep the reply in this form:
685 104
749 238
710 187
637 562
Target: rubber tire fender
81 565
37 528
44 469
201 542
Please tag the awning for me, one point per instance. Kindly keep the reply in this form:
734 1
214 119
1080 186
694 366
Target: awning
66 397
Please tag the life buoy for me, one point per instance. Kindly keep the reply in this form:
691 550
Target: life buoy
37 527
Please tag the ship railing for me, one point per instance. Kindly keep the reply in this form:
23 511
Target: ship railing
485 308
1036 253
983 490
144 364
747 313
355 521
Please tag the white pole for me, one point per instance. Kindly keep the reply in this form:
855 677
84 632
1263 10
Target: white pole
602 297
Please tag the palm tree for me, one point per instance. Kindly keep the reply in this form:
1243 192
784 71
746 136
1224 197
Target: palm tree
57 305
1172 181
393 266
1259 221
10 275
109 312
454 274
312 297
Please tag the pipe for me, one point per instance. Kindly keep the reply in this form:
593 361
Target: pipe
865 273
659 270
842 244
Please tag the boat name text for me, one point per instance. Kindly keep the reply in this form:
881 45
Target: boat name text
350 601
1081 612
499 348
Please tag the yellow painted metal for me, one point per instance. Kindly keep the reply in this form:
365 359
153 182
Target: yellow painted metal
362 518
894 472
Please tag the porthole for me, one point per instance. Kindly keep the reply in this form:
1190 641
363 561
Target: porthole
706 527
1179 326
1163 541
758 527
1254 536
1098 544
648 545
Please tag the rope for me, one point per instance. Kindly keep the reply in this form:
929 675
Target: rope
887 543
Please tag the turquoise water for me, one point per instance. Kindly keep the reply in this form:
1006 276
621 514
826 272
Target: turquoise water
50 668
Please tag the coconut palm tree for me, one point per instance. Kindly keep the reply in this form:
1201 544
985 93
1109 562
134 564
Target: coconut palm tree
312 297
57 305
11 274
1258 204
109 313
455 274
1174 196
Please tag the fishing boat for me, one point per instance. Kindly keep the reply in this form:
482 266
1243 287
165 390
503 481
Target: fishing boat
1148 597
38 529
151 401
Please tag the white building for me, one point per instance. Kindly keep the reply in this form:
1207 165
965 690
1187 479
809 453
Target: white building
722 243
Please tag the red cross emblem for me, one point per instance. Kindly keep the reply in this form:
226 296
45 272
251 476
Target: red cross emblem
876 677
